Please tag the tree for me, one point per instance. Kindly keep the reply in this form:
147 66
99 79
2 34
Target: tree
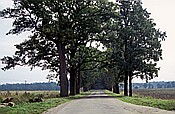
90 60
59 28
140 42
61 31
45 47
91 21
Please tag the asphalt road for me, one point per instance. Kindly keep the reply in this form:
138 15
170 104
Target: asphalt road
101 103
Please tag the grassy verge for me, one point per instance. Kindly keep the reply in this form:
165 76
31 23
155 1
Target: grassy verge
38 108
146 101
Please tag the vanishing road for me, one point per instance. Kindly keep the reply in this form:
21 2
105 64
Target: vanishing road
101 103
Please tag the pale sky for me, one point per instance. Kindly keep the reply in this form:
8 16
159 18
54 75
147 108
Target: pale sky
162 11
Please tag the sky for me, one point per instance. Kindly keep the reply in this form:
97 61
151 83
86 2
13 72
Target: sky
7 42
162 11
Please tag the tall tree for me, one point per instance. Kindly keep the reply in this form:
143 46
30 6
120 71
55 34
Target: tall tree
141 41
59 28
91 20
47 44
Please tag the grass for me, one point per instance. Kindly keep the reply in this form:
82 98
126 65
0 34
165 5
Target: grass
33 108
146 101
38 108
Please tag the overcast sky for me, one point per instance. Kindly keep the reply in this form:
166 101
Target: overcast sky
162 11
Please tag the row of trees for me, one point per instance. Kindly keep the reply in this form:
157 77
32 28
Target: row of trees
62 34
99 84
151 85
29 87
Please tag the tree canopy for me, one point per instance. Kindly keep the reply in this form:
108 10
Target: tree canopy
62 30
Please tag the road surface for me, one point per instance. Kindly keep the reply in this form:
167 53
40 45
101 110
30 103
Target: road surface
101 103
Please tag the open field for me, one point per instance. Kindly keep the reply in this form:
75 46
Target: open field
24 96
146 101
42 94
23 106
167 94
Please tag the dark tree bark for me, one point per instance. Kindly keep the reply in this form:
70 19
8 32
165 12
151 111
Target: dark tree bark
85 89
126 84
72 81
78 82
63 72
110 88
116 88
130 83
73 75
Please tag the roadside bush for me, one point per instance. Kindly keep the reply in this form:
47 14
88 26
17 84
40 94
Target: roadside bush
23 97
1 99
40 96
52 95
17 99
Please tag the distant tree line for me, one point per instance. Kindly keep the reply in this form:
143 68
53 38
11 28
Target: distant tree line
152 85
29 87
99 84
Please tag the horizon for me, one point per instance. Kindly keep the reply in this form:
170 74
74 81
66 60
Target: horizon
56 82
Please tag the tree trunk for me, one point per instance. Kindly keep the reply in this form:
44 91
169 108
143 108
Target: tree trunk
63 72
72 81
78 82
110 88
130 83
72 73
85 89
126 84
116 88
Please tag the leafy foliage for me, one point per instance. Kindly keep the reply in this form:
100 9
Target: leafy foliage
62 30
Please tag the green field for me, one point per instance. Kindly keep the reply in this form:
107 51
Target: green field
50 99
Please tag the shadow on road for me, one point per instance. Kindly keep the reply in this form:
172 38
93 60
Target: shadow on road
94 97
96 94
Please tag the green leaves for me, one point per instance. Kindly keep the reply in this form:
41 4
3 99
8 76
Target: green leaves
124 28
136 44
